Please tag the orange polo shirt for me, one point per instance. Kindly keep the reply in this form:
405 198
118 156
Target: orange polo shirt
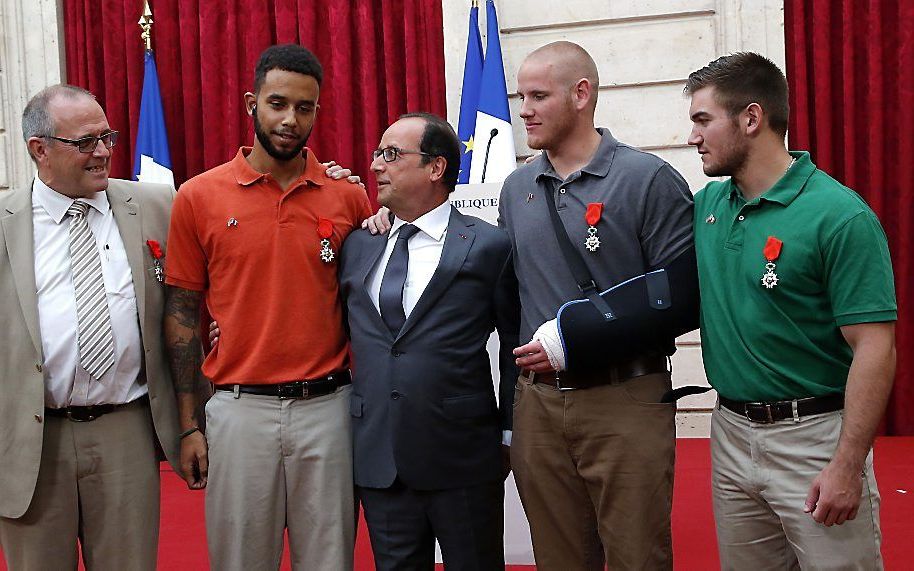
255 251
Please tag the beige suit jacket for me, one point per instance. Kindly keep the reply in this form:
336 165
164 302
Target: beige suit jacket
142 212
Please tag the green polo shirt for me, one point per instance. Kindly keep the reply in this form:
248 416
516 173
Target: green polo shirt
834 269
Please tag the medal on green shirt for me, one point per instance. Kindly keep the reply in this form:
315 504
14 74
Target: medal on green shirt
771 252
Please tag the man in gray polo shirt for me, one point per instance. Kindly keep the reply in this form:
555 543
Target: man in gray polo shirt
594 465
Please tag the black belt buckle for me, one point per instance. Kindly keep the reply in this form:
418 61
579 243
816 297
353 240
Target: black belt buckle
766 408
293 390
84 413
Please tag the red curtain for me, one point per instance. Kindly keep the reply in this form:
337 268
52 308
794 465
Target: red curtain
850 66
381 59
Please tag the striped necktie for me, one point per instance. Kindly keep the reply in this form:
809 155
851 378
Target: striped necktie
96 342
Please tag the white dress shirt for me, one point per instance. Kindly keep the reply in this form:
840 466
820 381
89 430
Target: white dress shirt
66 382
424 254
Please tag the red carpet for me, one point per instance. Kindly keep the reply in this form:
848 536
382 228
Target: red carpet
183 544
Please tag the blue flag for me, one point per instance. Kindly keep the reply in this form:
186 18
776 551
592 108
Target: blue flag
494 157
152 161
469 95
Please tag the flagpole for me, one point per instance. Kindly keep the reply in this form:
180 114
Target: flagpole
469 94
151 159
145 23
493 113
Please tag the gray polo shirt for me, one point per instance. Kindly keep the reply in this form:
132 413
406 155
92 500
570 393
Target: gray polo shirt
646 222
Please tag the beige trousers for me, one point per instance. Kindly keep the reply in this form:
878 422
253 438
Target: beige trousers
594 468
98 483
761 474
277 465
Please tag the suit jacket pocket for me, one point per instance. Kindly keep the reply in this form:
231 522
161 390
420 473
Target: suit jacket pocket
355 405
469 406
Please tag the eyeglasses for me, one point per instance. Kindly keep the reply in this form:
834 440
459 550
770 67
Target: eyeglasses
391 154
88 144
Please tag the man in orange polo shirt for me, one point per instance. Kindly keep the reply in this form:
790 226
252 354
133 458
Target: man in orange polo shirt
258 239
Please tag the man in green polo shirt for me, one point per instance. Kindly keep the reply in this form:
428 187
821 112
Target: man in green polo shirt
797 325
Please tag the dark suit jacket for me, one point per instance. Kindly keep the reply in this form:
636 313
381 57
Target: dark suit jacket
141 211
423 404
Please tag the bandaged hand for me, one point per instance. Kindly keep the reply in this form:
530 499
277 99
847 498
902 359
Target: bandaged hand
548 336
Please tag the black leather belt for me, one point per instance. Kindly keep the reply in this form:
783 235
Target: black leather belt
89 413
637 367
295 389
768 412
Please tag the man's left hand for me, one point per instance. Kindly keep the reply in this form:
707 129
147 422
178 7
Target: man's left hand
533 357
214 334
194 460
336 172
379 223
835 494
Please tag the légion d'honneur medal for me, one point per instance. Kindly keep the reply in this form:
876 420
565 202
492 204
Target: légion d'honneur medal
771 252
592 217
325 231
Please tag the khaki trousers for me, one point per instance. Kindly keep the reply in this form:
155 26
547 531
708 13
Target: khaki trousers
761 474
98 483
278 465
594 468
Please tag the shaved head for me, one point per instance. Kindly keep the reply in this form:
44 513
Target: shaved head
569 63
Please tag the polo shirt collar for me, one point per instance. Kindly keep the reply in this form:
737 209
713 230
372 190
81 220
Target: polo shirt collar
434 222
790 185
56 204
598 165
245 175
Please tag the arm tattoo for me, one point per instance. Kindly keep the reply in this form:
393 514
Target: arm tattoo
181 323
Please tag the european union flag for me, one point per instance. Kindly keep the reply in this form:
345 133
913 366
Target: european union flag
469 95
152 161
493 141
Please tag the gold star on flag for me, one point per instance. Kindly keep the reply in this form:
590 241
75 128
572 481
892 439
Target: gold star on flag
468 145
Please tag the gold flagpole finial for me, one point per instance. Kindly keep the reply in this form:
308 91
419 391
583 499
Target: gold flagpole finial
145 23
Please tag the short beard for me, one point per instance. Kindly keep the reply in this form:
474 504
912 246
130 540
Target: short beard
271 149
732 162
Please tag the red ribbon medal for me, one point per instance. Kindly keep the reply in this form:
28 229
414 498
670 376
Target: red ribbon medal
325 231
156 250
771 251
592 217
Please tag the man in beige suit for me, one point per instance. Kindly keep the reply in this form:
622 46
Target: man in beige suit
85 392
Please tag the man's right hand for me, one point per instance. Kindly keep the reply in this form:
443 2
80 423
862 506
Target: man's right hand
533 357
379 223
194 460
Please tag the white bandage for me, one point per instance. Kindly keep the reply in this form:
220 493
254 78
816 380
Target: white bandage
548 336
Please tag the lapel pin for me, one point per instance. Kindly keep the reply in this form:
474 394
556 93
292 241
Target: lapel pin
529 197
232 222
710 219
464 236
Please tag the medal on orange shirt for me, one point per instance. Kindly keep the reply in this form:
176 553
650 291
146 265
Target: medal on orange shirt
771 252
592 216
325 231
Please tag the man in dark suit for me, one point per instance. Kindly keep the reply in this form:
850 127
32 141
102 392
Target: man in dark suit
421 302
85 393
